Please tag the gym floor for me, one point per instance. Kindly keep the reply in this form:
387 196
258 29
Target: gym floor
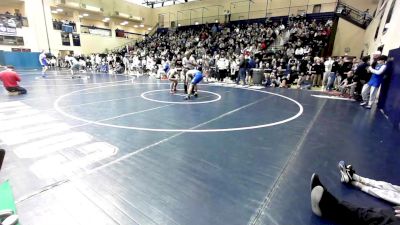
123 150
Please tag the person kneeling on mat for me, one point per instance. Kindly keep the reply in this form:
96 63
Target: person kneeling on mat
196 76
10 81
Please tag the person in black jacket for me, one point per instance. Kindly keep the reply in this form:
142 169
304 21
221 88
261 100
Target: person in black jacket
242 70
325 205
362 75
317 70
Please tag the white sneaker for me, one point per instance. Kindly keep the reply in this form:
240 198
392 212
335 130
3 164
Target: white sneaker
363 103
11 220
5 213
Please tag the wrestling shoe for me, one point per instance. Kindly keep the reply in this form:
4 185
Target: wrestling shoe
316 197
196 95
368 107
315 181
11 220
187 97
5 213
363 103
346 172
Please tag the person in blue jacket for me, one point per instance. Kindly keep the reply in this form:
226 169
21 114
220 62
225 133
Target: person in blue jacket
370 89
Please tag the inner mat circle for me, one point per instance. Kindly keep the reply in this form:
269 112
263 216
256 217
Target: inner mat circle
183 102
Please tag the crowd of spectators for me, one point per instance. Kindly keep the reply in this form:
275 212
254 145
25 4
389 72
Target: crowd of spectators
226 52
235 53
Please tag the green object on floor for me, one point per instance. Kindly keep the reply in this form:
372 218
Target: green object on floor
6 197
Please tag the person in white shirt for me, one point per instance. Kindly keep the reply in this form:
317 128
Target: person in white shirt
222 65
234 67
290 52
299 53
173 77
125 60
73 62
307 50
53 62
43 62
135 65
328 69
150 65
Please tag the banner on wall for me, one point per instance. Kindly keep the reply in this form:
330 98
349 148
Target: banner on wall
8 30
76 40
65 39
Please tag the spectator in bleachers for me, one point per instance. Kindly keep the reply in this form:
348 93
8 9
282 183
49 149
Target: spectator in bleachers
222 67
317 70
348 85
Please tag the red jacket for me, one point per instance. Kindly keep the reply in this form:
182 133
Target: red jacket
9 78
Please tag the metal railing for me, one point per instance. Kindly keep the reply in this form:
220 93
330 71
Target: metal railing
153 29
357 16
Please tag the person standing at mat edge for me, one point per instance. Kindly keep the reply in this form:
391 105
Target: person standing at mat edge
370 89
10 81
43 62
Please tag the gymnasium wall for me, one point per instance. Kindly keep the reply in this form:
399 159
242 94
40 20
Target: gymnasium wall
186 14
11 8
35 37
89 43
390 39
348 39
362 4
122 6
389 99
21 60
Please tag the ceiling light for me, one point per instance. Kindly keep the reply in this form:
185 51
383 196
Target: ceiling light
60 10
54 11
149 28
73 4
196 23
136 26
93 8
107 18
85 14
179 25
80 16
124 15
216 21
141 25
